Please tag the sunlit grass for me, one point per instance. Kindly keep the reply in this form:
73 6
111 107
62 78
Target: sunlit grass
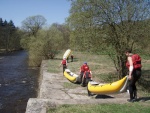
53 65
103 108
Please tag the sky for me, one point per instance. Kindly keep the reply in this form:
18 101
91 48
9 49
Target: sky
54 11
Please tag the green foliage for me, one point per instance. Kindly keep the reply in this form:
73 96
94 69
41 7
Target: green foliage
64 29
45 45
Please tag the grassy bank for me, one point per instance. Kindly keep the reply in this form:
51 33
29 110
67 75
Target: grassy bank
103 71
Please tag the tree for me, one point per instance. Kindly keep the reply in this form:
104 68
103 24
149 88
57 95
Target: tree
44 46
112 24
9 36
33 24
64 29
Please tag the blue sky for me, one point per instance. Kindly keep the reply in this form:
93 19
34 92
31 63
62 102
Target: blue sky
54 11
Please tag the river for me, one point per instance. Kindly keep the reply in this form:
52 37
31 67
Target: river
18 82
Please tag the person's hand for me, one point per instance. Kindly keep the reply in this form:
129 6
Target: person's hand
129 77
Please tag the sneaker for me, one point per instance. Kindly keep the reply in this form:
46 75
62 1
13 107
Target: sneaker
131 100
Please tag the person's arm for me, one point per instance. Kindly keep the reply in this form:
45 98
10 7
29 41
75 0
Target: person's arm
130 68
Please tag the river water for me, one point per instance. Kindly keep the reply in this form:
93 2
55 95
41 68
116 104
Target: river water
18 82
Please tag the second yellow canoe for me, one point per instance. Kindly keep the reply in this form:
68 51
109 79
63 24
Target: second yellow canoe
107 88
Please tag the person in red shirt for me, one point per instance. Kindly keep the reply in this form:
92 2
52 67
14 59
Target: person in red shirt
134 66
87 75
64 64
82 71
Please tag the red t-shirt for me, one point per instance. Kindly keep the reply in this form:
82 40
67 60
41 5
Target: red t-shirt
64 62
84 67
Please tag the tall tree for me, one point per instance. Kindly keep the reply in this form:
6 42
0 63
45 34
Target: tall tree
33 24
113 24
64 29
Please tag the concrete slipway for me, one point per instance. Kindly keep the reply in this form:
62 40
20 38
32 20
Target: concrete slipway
52 93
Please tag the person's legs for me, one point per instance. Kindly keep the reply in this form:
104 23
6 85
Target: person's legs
87 80
83 81
81 76
132 87
64 67
137 75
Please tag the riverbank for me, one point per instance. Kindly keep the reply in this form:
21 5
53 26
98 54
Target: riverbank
53 92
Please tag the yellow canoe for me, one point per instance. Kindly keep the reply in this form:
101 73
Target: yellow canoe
71 76
67 53
114 87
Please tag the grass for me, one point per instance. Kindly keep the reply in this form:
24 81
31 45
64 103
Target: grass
99 64
103 108
103 71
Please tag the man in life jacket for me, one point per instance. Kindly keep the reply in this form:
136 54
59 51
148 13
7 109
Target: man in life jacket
87 75
64 64
82 71
134 66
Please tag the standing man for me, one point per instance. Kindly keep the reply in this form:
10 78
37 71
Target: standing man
134 66
86 78
82 70
64 64
87 75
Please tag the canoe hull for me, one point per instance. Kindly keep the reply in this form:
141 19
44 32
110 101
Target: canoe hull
107 88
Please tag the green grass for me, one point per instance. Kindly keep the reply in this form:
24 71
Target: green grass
97 63
103 108
53 65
